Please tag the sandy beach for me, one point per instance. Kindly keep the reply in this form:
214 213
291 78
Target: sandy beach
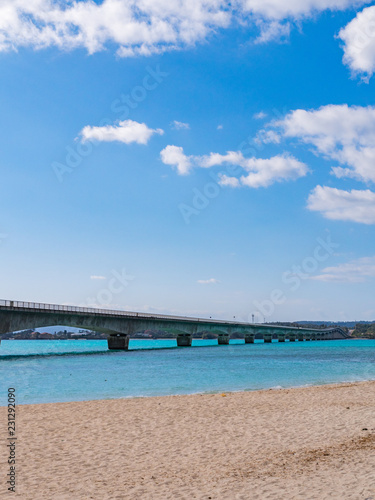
304 443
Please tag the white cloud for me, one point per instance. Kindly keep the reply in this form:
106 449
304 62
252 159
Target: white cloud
264 172
342 133
259 172
180 125
98 278
211 281
272 31
225 180
219 127
295 9
174 155
268 137
336 204
137 27
354 271
359 43
260 116
144 27
215 159
256 172
127 131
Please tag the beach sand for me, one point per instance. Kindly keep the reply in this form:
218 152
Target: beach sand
304 443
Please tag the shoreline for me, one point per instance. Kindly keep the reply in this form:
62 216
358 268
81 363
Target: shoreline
346 383
213 393
312 442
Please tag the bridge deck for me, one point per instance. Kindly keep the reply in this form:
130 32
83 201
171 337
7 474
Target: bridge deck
13 305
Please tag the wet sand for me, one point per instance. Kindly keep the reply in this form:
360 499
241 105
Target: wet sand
305 443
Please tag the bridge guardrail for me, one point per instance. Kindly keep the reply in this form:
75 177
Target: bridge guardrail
112 312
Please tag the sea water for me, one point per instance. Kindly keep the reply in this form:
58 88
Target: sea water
76 370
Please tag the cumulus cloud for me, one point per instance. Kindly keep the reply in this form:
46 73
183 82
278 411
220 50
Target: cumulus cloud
260 116
272 31
342 133
225 180
264 172
215 159
336 204
144 27
256 172
211 281
354 271
296 9
267 137
359 43
180 125
174 156
127 131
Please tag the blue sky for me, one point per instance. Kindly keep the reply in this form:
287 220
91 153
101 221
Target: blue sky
117 186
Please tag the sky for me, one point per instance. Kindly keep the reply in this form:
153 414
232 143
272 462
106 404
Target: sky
199 158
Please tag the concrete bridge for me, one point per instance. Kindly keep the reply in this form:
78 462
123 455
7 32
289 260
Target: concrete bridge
119 325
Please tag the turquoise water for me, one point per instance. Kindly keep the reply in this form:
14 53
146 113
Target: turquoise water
78 370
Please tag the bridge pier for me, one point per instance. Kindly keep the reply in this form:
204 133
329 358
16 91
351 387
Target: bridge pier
267 337
184 339
119 341
292 337
300 337
281 337
249 338
223 338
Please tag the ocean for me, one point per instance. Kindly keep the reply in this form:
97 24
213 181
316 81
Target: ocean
45 371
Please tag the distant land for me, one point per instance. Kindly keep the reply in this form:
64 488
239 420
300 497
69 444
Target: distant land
348 324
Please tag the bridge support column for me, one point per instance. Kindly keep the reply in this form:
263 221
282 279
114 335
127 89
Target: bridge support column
281 337
119 341
223 338
267 338
249 338
292 337
300 337
184 339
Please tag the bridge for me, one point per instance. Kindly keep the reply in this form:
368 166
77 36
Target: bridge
120 325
